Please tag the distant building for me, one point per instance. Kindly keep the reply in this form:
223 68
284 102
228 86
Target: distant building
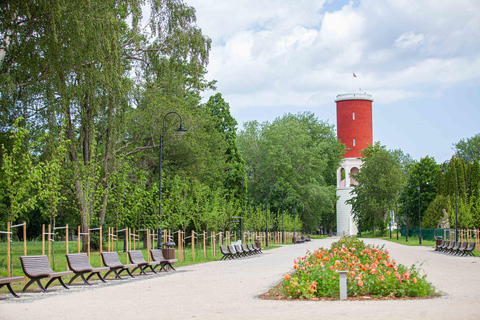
354 129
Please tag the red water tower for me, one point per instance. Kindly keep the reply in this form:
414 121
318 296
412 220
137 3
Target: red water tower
354 122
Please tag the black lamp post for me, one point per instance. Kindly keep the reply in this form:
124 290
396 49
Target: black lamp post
266 220
456 208
390 215
180 129
241 209
294 216
406 216
419 217
283 230
396 213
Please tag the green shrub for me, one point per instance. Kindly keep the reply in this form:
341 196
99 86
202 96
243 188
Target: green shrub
370 271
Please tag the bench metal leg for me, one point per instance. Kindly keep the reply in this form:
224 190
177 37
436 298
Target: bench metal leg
151 268
131 275
31 282
96 273
59 280
10 289
170 266
76 276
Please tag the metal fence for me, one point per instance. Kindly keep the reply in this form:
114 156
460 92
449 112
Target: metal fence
427 234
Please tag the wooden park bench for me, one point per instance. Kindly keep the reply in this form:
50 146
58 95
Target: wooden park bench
7 282
136 257
461 248
157 255
469 250
240 250
111 260
79 264
438 247
257 247
444 246
247 250
252 247
233 251
37 268
226 254
298 240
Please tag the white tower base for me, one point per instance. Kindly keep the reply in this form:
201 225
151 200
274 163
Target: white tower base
345 223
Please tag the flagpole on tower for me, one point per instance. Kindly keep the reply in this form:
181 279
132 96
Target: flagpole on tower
354 76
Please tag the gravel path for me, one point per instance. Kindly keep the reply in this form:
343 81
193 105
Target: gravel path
229 290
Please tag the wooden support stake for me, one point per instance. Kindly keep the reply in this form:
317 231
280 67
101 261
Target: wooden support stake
88 245
66 242
78 239
25 244
24 238
193 245
180 243
127 234
49 246
43 239
214 243
148 245
9 272
204 247
101 260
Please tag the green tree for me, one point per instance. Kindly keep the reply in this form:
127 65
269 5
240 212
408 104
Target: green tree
226 125
55 67
377 184
468 149
297 154
19 174
423 176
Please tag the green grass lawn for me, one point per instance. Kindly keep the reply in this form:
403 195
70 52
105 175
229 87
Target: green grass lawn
412 241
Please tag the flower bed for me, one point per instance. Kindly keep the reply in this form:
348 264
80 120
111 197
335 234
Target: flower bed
371 272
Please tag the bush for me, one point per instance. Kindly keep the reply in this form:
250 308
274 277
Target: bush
370 272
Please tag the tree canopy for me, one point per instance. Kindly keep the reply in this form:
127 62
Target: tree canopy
377 186
468 149
296 155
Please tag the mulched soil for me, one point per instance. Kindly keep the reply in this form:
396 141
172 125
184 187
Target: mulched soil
276 294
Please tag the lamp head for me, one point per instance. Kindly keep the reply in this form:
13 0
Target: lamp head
181 129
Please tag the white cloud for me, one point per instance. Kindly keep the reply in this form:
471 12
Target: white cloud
409 40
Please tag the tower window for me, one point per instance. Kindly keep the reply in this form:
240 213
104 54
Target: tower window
354 142
354 116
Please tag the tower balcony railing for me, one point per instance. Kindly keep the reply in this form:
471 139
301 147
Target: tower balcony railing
354 96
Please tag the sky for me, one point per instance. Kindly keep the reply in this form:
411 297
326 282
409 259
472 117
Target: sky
420 60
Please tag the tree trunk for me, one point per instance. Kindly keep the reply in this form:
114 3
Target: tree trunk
106 165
